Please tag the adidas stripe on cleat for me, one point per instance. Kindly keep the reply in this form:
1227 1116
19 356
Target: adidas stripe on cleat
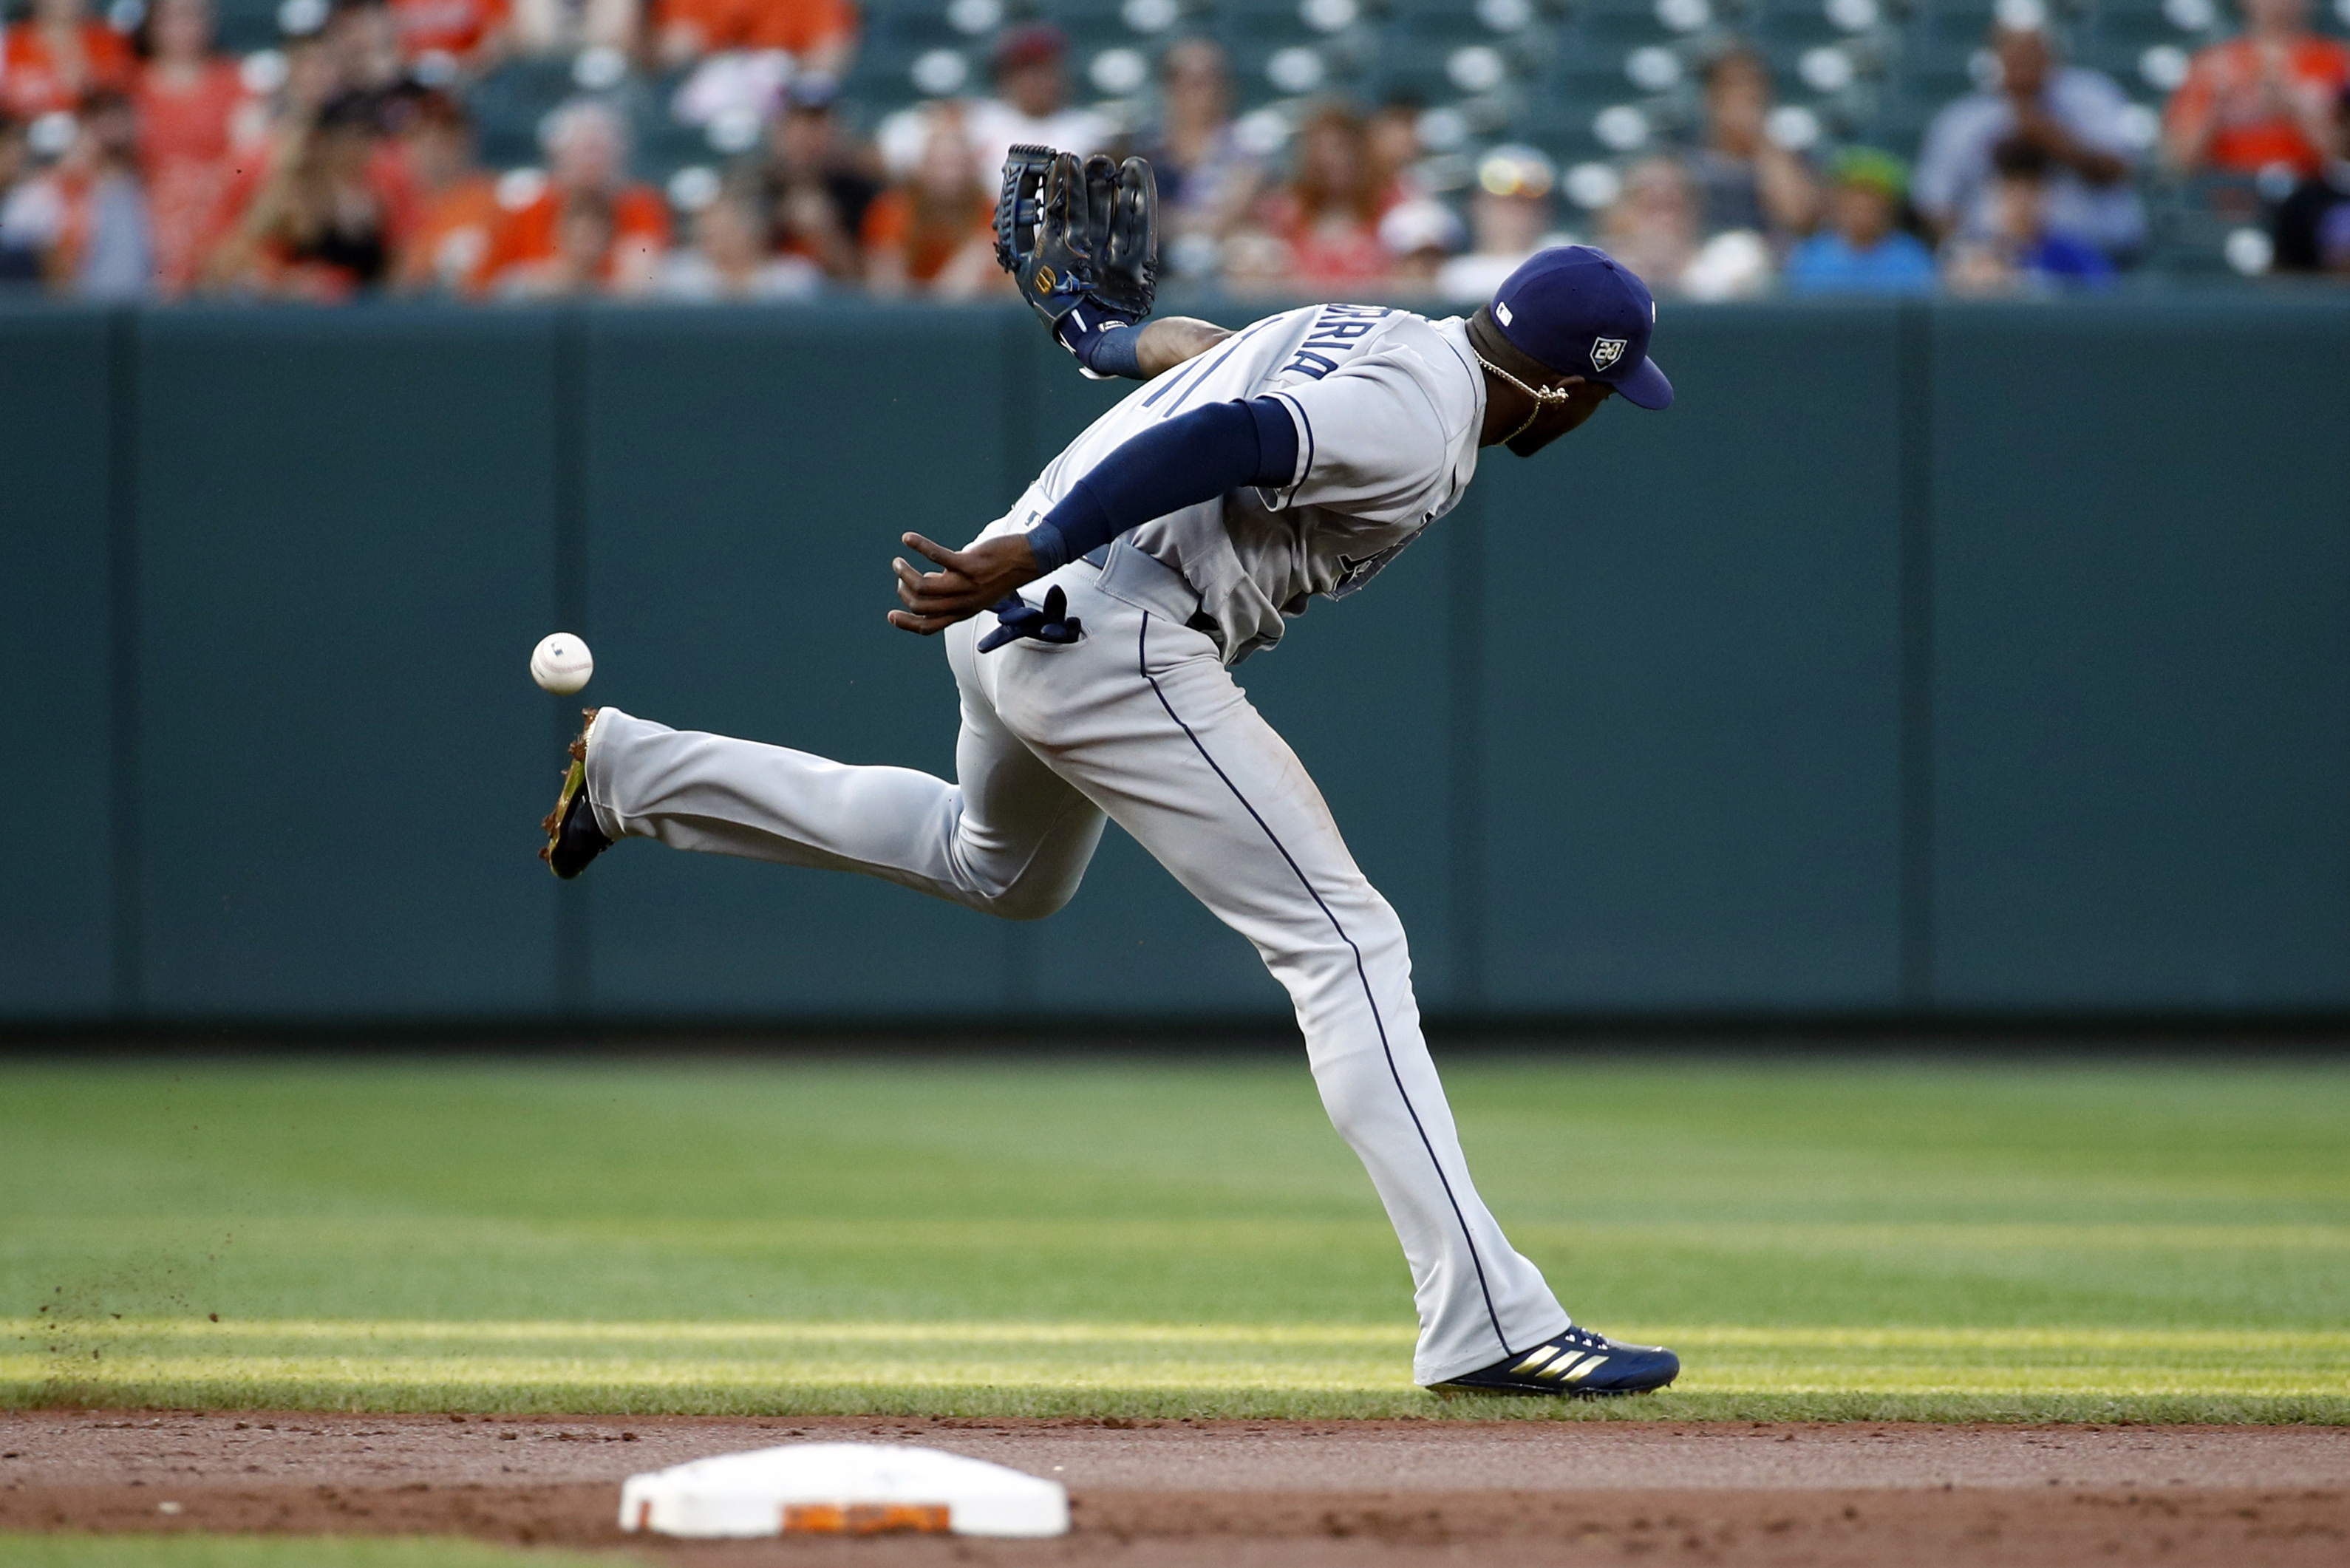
573 839
1577 1362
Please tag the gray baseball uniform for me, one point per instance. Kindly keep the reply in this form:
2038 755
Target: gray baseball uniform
1139 721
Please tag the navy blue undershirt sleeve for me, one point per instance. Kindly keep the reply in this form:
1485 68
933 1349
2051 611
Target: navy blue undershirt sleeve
1107 345
1192 458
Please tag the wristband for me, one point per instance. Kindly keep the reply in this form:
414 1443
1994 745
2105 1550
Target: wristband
1105 344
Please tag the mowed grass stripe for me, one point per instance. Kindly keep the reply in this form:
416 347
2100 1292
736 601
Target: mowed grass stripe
1045 1369
884 1235
2332 1342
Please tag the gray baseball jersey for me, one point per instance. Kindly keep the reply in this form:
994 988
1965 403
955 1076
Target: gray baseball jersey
1388 406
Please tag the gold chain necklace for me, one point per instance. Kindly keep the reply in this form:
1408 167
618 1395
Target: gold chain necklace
1543 397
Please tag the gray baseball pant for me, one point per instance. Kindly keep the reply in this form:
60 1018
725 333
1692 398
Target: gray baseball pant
1139 722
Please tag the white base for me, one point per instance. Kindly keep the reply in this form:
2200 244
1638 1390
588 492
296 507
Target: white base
850 1489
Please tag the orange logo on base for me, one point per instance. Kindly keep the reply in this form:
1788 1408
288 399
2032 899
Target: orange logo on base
1046 280
865 1519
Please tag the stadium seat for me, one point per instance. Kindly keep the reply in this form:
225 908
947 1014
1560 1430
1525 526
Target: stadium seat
1784 33
509 104
1622 24
240 27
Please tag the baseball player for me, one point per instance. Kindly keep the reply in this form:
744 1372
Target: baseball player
1091 631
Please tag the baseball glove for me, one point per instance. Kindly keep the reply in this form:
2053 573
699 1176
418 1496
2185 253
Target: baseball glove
1074 233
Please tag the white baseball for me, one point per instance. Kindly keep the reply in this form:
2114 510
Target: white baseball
561 663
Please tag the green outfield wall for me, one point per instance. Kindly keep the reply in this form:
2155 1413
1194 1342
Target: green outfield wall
1925 659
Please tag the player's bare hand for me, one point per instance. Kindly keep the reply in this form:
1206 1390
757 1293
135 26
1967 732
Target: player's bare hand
967 581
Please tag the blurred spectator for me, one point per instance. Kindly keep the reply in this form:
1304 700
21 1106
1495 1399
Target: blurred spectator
1736 264
456 202
57 56
1032 83
1328 213
314 76
325 215
2022 251
741 89
443 37
1206 180
1255 263
189 101
565 27
1744 180
1419 235
2261 99
1391 139
82 225
2313 225
577 261
820 34
728 259
2078 117
23 237
818 182
1862 250
934 232
1509 218
1651 227
31 210
587 157
362 42
26 209
107 249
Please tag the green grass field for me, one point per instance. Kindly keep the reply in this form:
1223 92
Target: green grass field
2132 1240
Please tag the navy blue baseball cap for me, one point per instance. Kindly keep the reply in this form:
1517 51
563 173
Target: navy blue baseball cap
1580 311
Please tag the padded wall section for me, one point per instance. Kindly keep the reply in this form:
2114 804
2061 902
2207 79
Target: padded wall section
749 474
55 903
1626 733
2142 700
347 552
1692 679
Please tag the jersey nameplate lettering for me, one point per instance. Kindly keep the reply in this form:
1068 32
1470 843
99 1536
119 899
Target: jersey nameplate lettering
1337 331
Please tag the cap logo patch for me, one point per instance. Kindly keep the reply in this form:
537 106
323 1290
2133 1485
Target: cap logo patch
1501 312
1606 351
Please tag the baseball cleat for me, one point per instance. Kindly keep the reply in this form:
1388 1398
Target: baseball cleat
1577 1362
573 839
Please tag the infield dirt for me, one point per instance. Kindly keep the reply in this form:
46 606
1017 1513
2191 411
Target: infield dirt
1237 1494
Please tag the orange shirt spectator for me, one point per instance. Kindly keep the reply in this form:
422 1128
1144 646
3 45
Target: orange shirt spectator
934 232
2266 97
50 61
454 27
188 100
820 32
457 203
530 235
587 153
452 236
927 239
